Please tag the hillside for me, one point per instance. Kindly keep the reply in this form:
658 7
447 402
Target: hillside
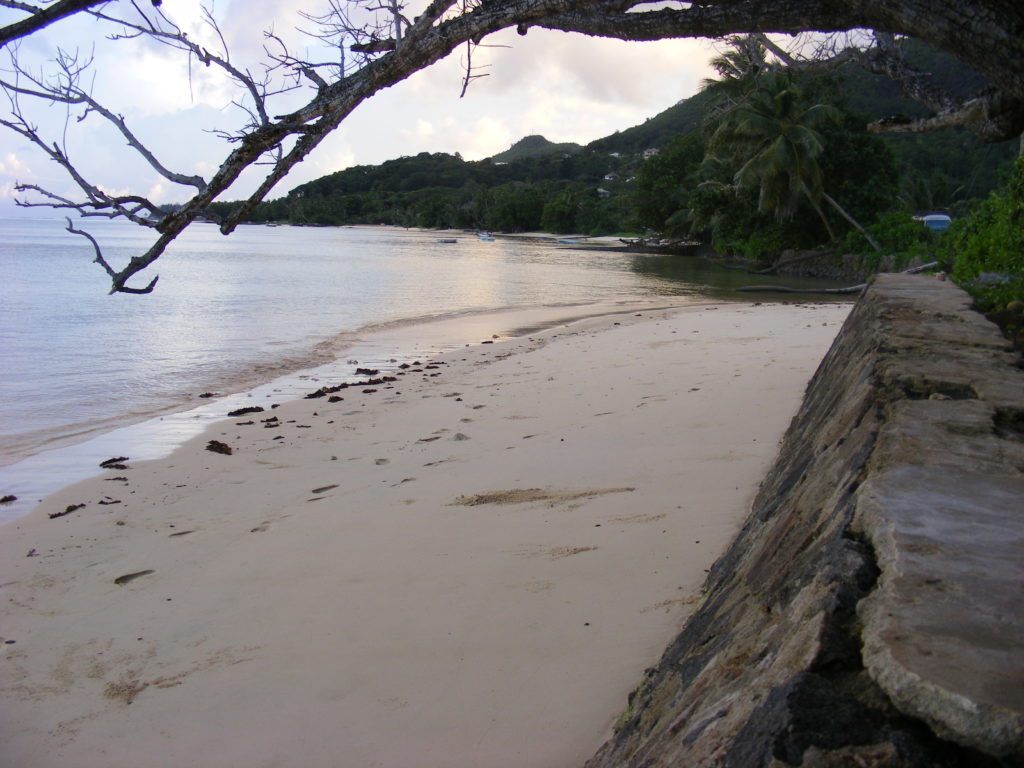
534 146
563 187
687 116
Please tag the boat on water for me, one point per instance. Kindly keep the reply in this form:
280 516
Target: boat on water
447 240
485 236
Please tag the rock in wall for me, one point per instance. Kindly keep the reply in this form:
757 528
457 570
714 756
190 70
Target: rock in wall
871 610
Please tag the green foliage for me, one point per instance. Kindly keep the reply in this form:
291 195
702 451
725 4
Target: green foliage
859 169
598 216
534 146
782 141
987 247
559 214
685 117
664 184
554 187
938 170
516 207
735 226
899 235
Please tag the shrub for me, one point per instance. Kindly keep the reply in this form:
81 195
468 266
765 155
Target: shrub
899 235
987 248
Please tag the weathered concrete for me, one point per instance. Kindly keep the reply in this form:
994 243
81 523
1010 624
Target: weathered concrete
870 611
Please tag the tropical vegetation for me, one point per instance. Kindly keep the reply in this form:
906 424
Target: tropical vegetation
761 160
986 249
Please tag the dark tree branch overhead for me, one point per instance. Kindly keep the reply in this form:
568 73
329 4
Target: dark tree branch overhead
41 16
378 44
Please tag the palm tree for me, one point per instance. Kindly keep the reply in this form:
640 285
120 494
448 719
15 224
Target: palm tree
739 67
775 138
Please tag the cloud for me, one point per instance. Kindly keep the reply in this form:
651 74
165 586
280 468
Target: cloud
11 165
423 129
157 193
566 87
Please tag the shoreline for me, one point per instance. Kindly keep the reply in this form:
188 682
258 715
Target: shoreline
74 456
472 568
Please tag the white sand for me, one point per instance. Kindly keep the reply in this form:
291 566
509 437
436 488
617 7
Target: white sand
466 570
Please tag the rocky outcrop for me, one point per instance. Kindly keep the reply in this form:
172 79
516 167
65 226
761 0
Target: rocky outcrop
870 611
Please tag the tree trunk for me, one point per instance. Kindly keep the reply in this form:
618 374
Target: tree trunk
853 221
821 213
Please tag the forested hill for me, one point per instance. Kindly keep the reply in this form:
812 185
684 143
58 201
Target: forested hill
685 117
534 146
608 186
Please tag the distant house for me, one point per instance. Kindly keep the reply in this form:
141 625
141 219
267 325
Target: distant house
603 193
612 176
649 153
616 155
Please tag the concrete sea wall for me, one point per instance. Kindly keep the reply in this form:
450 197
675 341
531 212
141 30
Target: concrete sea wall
871 610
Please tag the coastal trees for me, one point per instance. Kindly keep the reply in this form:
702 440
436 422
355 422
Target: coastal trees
768 125
379 44
665 183
774 135
987 248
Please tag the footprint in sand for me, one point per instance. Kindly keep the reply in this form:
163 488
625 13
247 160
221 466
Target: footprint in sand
553 553
528 495
639 517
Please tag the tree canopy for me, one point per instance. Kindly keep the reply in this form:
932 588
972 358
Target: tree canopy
380 44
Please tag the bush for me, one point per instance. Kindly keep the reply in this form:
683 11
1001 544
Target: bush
900 236
987 248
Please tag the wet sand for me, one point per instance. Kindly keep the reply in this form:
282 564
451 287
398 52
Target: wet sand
468 566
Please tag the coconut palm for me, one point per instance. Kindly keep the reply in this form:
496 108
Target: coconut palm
775 138
739 68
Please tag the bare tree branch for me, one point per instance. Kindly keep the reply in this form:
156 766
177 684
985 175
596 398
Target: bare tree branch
167 33
103 262
97 203
67 92
42 16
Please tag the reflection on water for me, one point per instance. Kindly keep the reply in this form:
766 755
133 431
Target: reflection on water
698 276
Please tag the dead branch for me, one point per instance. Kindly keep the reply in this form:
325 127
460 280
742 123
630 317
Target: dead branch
42 16
164 31
103 262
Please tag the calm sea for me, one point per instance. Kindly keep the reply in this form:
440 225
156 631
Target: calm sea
231 313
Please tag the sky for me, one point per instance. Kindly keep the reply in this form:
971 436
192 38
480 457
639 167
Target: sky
564 87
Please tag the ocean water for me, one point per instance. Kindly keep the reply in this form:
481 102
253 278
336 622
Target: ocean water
270 307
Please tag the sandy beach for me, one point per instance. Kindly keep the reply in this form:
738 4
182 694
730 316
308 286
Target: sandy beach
469 566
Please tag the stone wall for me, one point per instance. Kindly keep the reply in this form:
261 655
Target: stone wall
871 610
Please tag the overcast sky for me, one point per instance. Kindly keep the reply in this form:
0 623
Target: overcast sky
565 87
